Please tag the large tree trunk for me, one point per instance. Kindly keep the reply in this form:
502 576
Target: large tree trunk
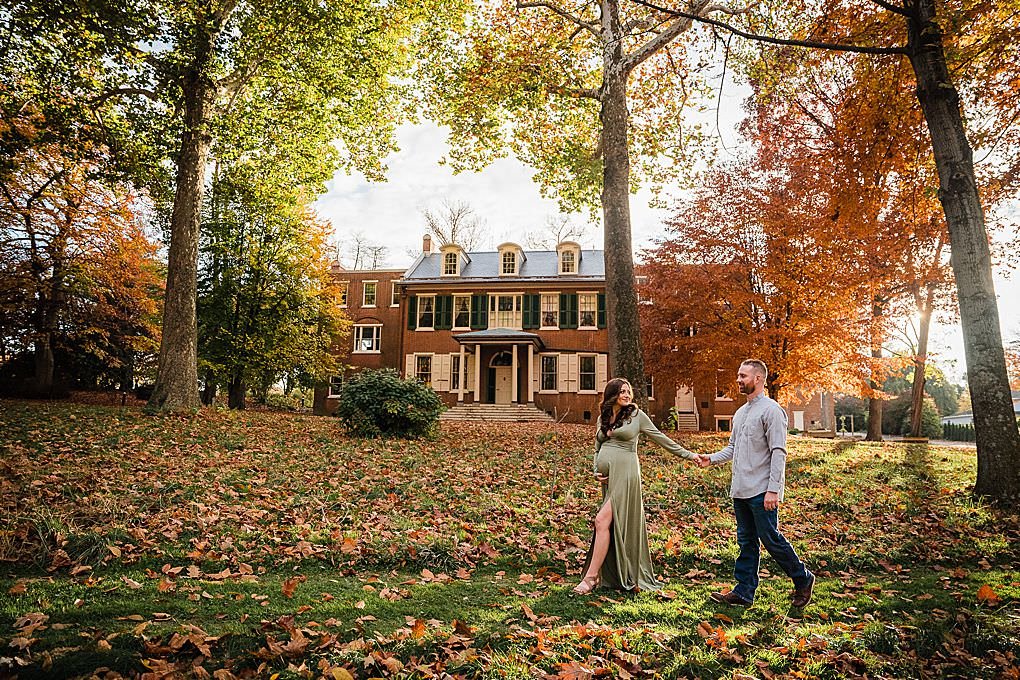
874 402
625 358
998 441
920 363
42 380
176 386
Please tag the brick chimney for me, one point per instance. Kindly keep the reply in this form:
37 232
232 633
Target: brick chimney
426 244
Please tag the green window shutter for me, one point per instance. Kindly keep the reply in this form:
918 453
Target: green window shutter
602 310
479 312
444 312
412 312
568 310
532 311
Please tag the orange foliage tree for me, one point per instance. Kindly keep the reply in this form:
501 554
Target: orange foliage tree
744 274
849 125
79 276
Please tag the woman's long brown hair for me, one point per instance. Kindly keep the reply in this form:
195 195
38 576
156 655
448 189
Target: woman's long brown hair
609 396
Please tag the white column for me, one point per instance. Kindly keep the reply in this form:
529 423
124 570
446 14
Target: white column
461 375
531 373
478 374
513 376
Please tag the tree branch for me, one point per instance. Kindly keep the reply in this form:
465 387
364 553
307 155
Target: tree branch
859 49
125 91
892 8
588 26
667 36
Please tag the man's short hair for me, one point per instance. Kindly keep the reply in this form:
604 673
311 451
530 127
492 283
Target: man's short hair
758 364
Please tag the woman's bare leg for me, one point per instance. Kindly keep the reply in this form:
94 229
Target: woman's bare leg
600 546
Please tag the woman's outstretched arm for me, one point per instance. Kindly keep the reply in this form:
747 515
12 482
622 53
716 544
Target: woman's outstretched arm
649 430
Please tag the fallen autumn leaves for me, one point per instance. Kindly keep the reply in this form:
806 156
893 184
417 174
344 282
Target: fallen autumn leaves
233 544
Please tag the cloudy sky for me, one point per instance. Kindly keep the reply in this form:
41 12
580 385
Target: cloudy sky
504 195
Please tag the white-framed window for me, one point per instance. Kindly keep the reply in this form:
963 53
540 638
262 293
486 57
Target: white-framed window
394 295
505 310
336 385
586 373
650 387
426 312
368 294
550 311
450 264
508 262
454 372
367 338
723 423
688 331
423 368
587 310
344 287
640 281
550 373
461 312
568 262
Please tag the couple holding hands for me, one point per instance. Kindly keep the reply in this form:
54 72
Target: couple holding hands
618 556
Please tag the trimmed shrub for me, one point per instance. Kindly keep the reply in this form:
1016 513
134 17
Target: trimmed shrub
381 403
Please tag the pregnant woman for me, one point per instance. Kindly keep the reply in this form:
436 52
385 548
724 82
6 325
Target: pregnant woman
618 556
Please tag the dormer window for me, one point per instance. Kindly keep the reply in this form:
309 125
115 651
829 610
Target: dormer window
449 264
569 255
511 259
452 259
568 263
509 263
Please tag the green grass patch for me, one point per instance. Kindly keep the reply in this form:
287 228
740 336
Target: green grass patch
264 543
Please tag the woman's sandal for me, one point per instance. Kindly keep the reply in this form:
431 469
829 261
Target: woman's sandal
587 584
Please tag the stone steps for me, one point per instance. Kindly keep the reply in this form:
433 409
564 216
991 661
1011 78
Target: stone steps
687 422
507 413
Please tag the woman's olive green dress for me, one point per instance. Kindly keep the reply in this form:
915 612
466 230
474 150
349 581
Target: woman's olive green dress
628 563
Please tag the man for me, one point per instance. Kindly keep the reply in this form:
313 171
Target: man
758 450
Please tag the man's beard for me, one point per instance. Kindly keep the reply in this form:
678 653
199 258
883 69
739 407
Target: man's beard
746 388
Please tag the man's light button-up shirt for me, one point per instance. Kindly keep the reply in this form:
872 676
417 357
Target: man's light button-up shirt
757 448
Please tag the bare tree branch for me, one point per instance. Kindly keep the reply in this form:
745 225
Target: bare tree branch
860 49
455 223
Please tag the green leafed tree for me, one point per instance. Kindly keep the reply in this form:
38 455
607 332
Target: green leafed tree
266 305
593 96
183 67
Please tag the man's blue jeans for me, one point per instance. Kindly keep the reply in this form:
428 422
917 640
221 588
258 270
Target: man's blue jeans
757 526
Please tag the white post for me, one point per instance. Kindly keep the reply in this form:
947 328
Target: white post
478 374
461 375
513 376
531 373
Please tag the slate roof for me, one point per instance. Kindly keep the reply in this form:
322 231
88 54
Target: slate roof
539 265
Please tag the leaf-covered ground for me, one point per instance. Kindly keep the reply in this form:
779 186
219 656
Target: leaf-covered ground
253 544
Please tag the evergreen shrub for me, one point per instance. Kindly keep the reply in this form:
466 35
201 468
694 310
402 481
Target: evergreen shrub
381 403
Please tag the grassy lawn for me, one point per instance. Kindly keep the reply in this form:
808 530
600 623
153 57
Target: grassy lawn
252 544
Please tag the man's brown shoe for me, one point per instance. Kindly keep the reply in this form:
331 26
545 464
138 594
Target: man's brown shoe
802 596
730 598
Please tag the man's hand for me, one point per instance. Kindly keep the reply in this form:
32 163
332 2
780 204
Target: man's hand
601 478
703 461
771 500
